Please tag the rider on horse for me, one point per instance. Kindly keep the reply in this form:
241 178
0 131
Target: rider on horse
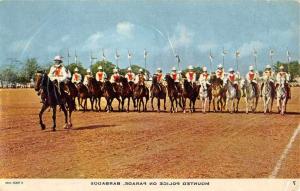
141 75
130 76
282 75
220 74
160 77
268 75
191 75
114 79
176 76
252 77
87 76
204 77
101 75
233 78
59 74
76 77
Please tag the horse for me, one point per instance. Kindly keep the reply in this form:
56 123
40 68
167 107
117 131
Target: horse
251 96
190 92
173 93
72 89
95 89
126 91
139 93
83 95
268 94
205 95
232 94
49 93
110 94
158 91
282 96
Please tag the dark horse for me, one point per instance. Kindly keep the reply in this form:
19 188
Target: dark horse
50 98
158 91
139 93
83 95
95 90
173 93
191 92
72 89
126 91
109 93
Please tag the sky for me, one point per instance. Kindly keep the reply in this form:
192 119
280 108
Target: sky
191 29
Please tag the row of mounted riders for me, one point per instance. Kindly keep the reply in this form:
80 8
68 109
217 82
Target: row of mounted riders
221 93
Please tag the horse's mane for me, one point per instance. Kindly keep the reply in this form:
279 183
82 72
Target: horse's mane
170 81
154 79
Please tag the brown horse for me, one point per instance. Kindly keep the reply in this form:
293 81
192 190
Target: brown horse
191 92
51 97
126 91
83 95
173 93
140 92
218 94
95 90
110 94
158 91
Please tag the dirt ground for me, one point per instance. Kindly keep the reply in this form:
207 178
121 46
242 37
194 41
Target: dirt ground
145 145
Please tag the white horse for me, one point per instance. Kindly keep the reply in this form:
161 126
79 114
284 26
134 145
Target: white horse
251 97
232 95
204 95
267 96
281 94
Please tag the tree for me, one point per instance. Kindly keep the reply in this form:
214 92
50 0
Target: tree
29 69
9 75
135 69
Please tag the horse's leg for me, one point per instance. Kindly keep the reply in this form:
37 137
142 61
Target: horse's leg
214 105
246 103
152 97
176 103
237 104
128 103
119 100
191 106
278 104
54 118
44 107
66 126
85 105
158 104
171 103
271 107
122 102
165 108
99 103
139 104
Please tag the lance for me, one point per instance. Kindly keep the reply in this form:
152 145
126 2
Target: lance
92 59
129 58
178 61
68 57
75 57
237 55
103 55
223 55
210 60
255 56
288 59
271 56
145 58
117 56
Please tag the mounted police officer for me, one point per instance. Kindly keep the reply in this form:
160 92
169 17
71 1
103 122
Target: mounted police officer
268 75
59 74
252 77
101 75
282 75
76 77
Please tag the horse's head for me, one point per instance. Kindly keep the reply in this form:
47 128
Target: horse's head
154 79
123 80
39 80
169 79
